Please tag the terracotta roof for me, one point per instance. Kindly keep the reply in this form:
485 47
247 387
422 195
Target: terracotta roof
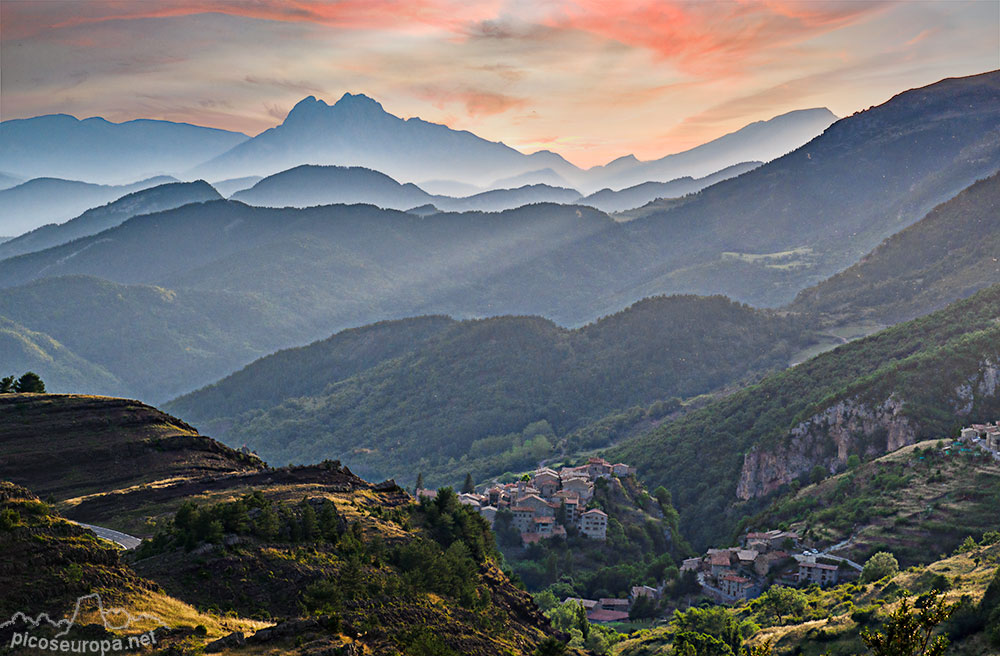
601 615
608 601
734 578
720 558
531 538
544 520
597 511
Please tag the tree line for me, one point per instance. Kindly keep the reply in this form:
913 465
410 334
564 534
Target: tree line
28 383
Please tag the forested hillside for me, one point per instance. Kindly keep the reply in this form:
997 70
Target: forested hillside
446 397
148 341
919 380
951 253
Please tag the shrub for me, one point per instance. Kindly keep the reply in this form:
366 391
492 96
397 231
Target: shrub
879 566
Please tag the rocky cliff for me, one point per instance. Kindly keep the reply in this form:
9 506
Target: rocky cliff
855 425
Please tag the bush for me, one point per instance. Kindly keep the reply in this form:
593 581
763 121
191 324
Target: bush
879 566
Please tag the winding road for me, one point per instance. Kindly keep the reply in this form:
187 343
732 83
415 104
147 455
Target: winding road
121 539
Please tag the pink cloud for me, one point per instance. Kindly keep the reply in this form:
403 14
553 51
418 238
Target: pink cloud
28 19
478 102
708 37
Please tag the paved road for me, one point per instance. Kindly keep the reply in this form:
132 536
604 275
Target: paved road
121 539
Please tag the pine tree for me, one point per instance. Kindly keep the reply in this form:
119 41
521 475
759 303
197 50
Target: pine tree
420 484
469 487
29 383
7 385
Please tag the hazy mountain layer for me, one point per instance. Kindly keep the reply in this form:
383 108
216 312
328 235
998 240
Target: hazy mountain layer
949 254
915 381
438 391
97 150
86 334
760 141
42 201
98 219
357 131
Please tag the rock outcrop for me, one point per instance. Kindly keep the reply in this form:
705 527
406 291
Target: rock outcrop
851 426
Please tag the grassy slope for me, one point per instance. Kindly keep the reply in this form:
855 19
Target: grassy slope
68 562
164 463
68 446
699 457
917 505
827 628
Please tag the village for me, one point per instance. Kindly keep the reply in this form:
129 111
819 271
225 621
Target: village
774 557
544 503
985 436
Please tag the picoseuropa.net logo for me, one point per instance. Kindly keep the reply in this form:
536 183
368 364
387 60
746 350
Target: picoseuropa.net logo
28 631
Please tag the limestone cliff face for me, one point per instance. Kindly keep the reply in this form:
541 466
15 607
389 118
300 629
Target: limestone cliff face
850 426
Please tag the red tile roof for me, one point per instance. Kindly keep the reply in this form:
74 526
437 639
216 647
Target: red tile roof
721 558
610 601
607 616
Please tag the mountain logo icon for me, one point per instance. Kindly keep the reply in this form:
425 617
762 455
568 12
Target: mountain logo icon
114 619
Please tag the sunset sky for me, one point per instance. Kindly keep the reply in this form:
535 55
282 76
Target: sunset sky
590 80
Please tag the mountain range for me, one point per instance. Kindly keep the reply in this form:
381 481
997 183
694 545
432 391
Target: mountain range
319 270
97 150
950 253
98 219
42 201
350 397
357 131
311 185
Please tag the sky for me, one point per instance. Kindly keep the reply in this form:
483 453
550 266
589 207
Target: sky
591 80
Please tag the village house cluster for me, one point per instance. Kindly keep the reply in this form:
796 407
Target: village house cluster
744 572
986 436
548 496
614 609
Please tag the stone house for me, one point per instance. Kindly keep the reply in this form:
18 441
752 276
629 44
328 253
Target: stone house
820 573
594 524
582 487
541 507
597 468
524 518
643 591
622 470
736 587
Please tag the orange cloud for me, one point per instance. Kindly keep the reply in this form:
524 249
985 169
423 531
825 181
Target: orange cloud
478 102
25 19
708 37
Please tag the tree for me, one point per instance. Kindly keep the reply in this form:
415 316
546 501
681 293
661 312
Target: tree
853 461
879 566
550 647
908 631
582 623
817 474
29 383
7 385
420 484
469 486
782 602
